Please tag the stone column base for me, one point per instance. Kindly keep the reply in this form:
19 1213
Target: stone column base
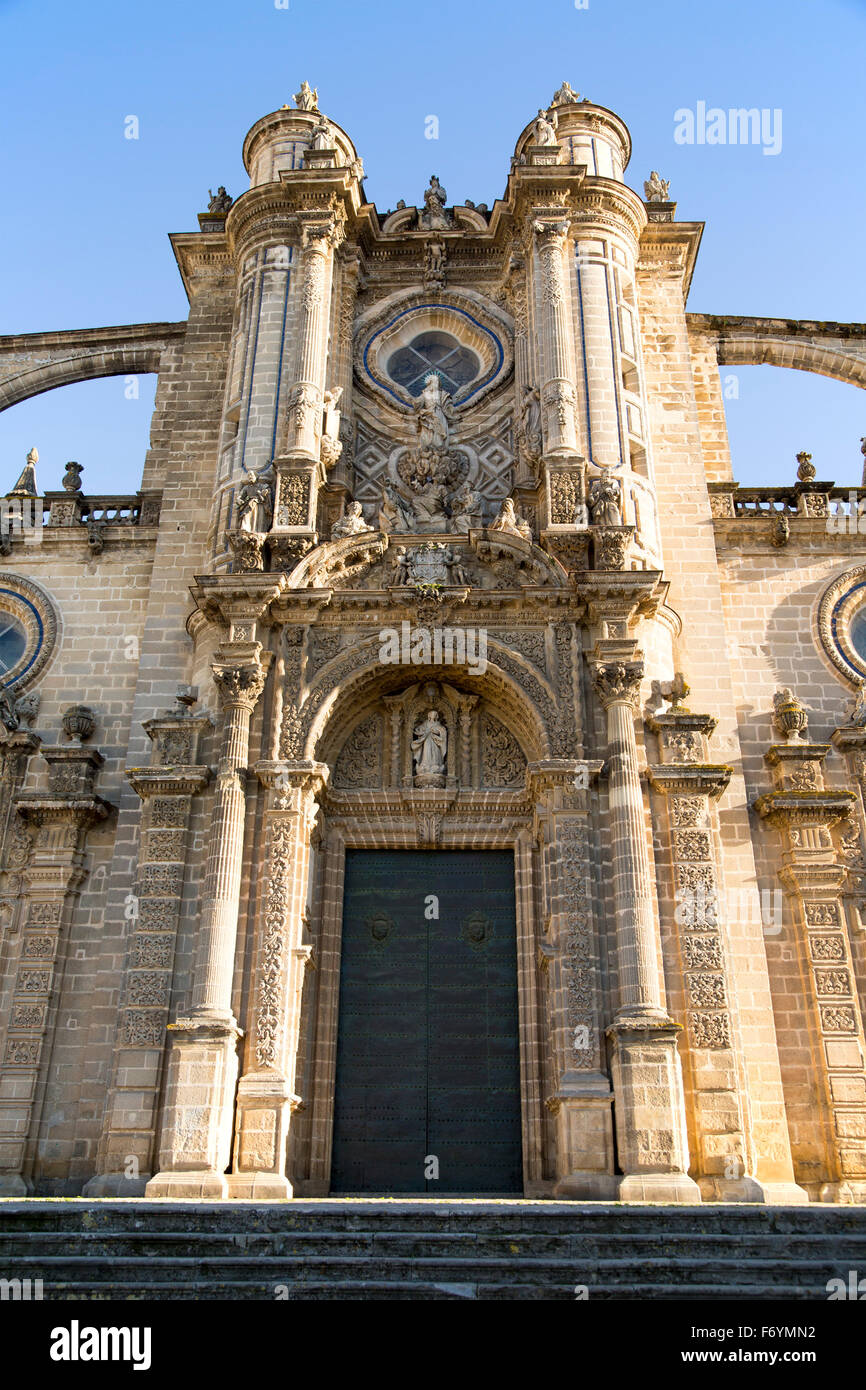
114 1185
265 1102
13 1185
201 1076
775 1194
849 1192
584 1138
659 1187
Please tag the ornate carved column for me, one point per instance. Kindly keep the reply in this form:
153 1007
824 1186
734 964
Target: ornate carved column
649 1104
805 811
126 1150
266 1095
557 393
51 880
16 750
202 1067
687 785
569 961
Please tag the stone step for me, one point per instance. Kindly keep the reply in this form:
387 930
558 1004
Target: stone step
363 1290
130 1272
479 1244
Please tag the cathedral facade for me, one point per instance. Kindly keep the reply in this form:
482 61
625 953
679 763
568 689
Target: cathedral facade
440 777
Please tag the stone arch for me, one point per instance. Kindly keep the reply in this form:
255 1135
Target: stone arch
353 683
32 363
836 350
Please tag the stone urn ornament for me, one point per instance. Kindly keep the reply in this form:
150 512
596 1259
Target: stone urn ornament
790 718
78 722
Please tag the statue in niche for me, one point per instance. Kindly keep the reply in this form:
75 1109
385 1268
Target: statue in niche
393 513
323 136
307 99
508 521
255 507
857 715
434 269
434 412
429 746
530 424
434 217
656 189
456 572
401 566
465 509
351 524
544 129
605 500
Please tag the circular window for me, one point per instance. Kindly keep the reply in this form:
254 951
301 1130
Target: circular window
13 643
28 630
842 623
438 352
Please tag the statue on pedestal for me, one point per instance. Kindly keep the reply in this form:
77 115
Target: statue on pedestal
508 521
544 130
351 524
434 217
605 500
434 412
307 99
255 506
429 745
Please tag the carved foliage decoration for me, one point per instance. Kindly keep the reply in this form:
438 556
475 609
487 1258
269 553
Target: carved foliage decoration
502 761
359 763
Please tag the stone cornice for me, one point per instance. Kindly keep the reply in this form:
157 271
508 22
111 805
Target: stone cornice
691 779
782 808
181 780
673 247
80 810
202 257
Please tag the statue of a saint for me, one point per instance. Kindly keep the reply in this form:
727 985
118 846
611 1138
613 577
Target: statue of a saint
544 131
429 744
401 566
220 202
656 190
530 423
465 509
393 515
323 136
605 500
456 572
307 99
508 521
434 217
428 507
255 508
565 96
433 415
352 524
857 715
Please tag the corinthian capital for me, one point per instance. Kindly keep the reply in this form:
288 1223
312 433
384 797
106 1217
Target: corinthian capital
618 681
240 685
551 234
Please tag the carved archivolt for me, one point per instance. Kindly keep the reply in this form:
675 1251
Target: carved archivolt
29 605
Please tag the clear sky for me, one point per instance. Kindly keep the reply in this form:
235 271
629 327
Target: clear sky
86 211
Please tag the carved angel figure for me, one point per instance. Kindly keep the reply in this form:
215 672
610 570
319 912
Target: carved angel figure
352 524
429 745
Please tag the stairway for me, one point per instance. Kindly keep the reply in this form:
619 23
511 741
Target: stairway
366 1249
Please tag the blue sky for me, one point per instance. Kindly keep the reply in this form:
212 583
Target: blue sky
87 211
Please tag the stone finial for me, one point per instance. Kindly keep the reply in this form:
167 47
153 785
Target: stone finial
656 189
790 718
72 477
806 469
26 484
678 691
307 99
220 202
78 722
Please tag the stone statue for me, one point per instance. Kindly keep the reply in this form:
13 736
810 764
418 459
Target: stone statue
433 415
434 217
434 269
429 745
857 714
8 714
393 515
428 507
305 99
530 423
544 130
565 96
465 509
605 500
220 202
352 524
656 190
323 136
401 566
456 572
508 521
255 507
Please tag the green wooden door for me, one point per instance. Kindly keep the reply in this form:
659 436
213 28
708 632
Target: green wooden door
428 1067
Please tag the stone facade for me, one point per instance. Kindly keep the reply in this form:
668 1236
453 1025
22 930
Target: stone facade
437 507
